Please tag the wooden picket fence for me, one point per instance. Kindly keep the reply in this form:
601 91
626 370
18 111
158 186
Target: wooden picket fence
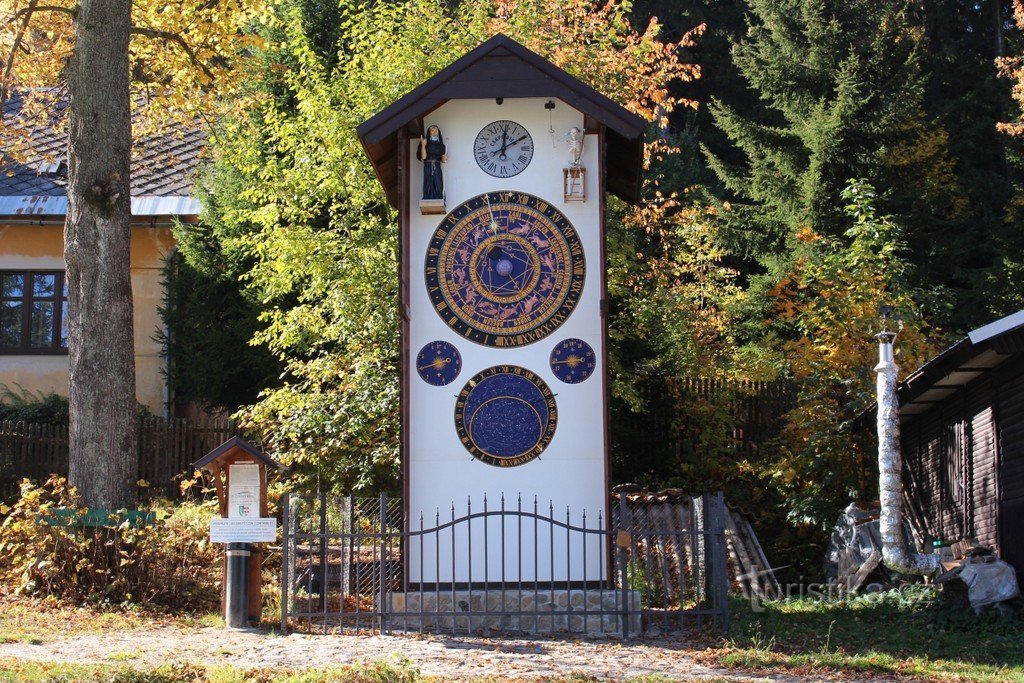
167 449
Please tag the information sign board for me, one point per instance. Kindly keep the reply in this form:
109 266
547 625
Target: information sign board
243 530
244 490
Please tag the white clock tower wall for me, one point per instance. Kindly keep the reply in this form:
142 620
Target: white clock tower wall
571 471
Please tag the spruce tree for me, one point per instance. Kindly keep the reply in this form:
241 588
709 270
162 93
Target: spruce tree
843 93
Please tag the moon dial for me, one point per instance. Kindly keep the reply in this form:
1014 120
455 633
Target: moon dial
572 360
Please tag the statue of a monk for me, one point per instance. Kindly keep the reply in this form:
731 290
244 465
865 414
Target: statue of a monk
432 153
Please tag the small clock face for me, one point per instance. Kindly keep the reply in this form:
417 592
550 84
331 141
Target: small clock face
505 416
503 149
572 361
438 363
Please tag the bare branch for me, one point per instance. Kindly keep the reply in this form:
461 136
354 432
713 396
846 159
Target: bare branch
35 7
27 11
174 38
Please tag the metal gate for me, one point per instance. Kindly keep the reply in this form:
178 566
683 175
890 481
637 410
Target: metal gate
356 563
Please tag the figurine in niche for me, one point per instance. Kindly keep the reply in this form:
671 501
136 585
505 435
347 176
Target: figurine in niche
432 153
574 182
575 140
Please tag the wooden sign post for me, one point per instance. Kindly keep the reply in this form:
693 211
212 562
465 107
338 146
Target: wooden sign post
239 472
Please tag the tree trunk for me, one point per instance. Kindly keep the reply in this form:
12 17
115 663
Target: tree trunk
97 235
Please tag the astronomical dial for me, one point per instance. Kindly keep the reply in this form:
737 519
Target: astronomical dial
503 149
572 361
439 363
505 269
505 416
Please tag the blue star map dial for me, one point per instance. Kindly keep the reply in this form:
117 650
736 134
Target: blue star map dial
439 363
572 360
505 269
505 416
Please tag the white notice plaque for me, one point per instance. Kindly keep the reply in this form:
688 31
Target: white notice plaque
244 490
243 530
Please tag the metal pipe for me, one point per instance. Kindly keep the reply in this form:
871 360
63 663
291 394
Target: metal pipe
895 554
236 606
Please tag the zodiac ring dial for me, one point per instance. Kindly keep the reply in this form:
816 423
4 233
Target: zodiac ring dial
505 269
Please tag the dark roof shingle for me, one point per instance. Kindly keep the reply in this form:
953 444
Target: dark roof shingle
162 165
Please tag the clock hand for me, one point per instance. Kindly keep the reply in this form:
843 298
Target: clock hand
507 145
494 223
436 363
518 140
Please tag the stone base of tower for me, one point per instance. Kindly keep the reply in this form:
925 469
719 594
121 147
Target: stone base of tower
586 612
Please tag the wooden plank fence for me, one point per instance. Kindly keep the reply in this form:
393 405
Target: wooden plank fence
167 448
702 418
754 408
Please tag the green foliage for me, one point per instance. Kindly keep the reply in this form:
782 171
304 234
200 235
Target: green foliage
42 408
38 408
844 90
829 300
45 552
211 324
294 210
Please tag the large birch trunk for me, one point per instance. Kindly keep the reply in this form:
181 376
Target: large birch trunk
97 235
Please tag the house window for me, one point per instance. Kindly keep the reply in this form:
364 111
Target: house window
33 312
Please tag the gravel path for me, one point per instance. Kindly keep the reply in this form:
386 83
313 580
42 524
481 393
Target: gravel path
450 658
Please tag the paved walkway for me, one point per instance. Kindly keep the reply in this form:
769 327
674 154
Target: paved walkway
451 658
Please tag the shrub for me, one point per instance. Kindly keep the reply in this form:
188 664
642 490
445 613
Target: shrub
24 406
41 408
50 545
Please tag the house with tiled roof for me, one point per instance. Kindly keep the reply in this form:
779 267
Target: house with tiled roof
33 298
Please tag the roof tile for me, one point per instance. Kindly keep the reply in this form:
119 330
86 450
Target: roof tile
163 166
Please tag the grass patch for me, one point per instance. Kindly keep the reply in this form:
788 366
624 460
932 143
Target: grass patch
905 633
37 621
122 656
208 620
380 672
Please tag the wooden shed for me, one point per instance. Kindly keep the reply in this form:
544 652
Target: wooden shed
962 417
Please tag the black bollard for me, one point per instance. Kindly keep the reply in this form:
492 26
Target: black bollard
236 606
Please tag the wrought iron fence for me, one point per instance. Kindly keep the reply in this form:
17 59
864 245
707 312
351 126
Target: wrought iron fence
504 566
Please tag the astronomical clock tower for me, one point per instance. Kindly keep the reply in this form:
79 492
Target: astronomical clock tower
498 166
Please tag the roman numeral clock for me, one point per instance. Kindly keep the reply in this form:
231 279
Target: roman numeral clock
498 166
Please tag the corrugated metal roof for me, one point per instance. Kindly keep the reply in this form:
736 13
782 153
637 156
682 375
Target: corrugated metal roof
163 170
981 351
994 329
148 205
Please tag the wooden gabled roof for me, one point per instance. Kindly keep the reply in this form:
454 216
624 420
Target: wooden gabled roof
501 67
236 446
